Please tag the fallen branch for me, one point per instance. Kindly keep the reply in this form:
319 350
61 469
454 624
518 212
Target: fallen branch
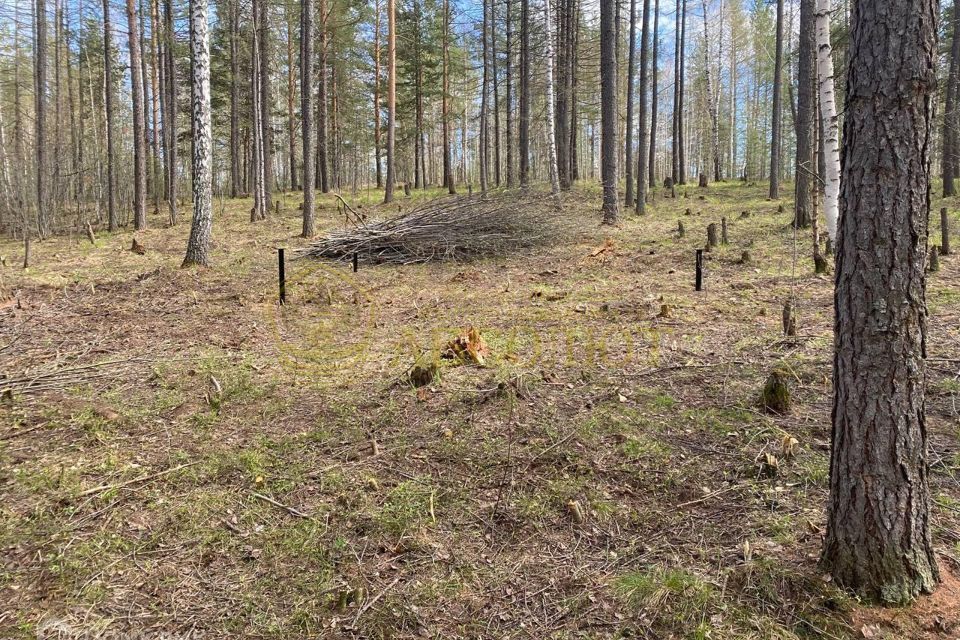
288 509
146 478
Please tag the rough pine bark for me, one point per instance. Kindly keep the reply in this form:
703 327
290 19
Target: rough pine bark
878 531
139 126
608 110
508 78
550 119
322 145
112 220
170 124
445 106
377 148
198 247
40 121
681 95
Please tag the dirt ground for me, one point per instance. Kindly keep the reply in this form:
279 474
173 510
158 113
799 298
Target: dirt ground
181 457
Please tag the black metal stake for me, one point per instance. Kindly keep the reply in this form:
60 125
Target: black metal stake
283 277
699 269
356 262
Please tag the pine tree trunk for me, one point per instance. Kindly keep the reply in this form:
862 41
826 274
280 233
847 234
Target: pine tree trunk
829 121
377 148
950 121
641 205
112 221
198 247
391 99
628 146
776 122
652 154
291 99
306 114
496 93
235 170
608 110
265 107
155 102
682 173
523 133
508 71
806 167
139 139
675 131
878 533
171 122
484 99
445 107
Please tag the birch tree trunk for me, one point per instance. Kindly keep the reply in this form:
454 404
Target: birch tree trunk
391 99
523 134
776 118
641 204
628 146
828 118
878 539
652 157
551 132
198 247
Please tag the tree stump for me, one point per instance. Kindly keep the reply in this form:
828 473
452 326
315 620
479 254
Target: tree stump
934 260
820 264
745 258
744 214
681 232
944 232
775 397
789 319
723 231
687 212
711 236
780 208
702 180
406 189
668 183
90 235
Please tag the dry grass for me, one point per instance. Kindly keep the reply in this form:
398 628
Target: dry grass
259 471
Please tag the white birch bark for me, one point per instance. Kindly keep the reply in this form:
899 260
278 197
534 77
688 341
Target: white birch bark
828 117
551 133
198 247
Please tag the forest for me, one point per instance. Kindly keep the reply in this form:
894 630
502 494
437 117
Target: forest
479 319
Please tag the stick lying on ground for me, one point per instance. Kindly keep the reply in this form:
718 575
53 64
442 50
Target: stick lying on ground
450 228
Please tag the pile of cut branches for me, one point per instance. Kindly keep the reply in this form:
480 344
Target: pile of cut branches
449 228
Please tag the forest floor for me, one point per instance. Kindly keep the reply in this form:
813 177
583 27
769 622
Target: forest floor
196 461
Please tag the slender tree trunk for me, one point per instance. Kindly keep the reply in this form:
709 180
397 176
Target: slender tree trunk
508 70
291 99
777 108
675 141
155 102
654 99
951 138
447 168
266 97
171 121
484 100
733 101
523 134
829 121
550 119
608 110
878 539
574 171
40 120
198 247
235 169
376 93
113 222
629 198
391 99
641 203
806 168
259 164
322 144
495 81
306 113
681 90
139 139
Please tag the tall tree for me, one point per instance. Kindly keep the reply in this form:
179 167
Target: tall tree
677 61
170 123
445 106
608 110
628 136
776 118
652 156
306 113
40 122
139 126
950 138
523 134
377 148
806 167
829 121
322 149
878 539
198 247
681 150
260 152
291 98
508 73
112 221
391 99
551 116
713 97
642 131
484 99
